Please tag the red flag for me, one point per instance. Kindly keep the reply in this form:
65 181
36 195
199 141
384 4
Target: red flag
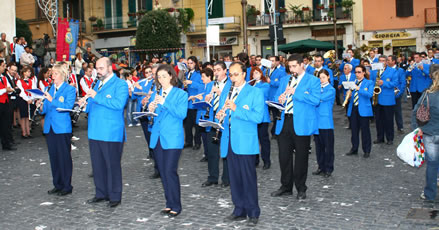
62 47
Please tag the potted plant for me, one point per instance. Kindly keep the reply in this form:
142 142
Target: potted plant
92 18
100 24
305 8
330 15
131 14
320 6
252 14
364 48
140 13
388 46
298 13
282 10
347 6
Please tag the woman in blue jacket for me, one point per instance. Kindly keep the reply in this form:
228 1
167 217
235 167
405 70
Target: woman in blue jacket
167 138
260 81
58 130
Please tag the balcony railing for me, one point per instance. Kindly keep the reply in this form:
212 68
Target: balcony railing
114 23
431 16
199 25
290 17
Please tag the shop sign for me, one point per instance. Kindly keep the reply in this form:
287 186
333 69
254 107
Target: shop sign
375 44
224 41
391 35
404 42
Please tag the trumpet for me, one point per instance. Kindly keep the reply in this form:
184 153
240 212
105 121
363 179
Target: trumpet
348 96
216 139
78 109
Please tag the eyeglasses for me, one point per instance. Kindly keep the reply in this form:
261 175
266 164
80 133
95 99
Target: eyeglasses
358 71
235 74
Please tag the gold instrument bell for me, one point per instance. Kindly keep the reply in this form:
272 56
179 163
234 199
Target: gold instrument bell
330 54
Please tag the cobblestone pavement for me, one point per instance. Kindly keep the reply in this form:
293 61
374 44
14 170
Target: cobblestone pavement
374 193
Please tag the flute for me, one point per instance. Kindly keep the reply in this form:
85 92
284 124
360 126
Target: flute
215 139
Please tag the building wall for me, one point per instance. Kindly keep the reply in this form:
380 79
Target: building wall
7 17
384 16
27 10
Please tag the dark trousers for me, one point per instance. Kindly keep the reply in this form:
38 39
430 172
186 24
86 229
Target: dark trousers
398 113
167 161
337 93
275 113
213 157
107 171
293 171
188 124
360 123
384 122
203 134
5 125
264 140
243 183
60 159
144 124
325 149
415 98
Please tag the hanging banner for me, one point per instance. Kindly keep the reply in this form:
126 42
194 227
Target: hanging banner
72 37
62 47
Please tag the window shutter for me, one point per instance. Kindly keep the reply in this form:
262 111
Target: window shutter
404 8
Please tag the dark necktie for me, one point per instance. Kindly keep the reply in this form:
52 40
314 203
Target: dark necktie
100 86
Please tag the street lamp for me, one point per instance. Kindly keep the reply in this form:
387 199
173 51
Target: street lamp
244 21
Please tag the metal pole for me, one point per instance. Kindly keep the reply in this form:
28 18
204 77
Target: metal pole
244 22
273 12
335 30
207 25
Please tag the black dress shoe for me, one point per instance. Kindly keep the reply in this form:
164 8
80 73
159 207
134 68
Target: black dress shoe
113 204
9 148
252 221
234 218
156 175
173 214
187 145
90 174
266 166
225 184
64 193
378 142
301 196
327 174
389 143
196 147
23 137
165 211
54 191
208 183
204 159
281 192
352 152
96 200
366 155
317 172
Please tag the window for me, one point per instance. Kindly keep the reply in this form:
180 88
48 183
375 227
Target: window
404 8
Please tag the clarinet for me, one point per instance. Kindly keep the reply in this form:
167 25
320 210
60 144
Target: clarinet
278 117
145 106
157 88
78 109
206 116
39 106
215 139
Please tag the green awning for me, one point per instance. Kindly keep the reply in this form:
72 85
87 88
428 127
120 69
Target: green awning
306 45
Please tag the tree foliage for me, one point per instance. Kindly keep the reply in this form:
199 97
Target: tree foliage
22 30
158 30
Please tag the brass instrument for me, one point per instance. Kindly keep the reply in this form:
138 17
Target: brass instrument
348 96
396 90
216 139
330 54
376 89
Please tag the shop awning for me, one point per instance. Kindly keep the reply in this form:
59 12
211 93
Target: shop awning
307 45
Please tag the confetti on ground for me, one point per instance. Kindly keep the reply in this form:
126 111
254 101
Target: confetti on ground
283 208
85 163
389 166
42 163
46 203
319 199
138 136
142 219
345 204
195 196
31 160
40 227
185 185
304 209
325 186
35 175
186 224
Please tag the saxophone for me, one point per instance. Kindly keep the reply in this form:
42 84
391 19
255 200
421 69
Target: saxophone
376 89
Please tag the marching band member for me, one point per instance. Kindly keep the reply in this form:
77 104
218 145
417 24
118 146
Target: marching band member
318 65
420 78
194 85
132 101
274 77
360 111
106 132
372 57
400 89
324 141
86 81
25 100
43 78
167 137
243 58
350 60
307 62
242 110
212 147
261 82
5 129
58 130
347 76
385 108
296 126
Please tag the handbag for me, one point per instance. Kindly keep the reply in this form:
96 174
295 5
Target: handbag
412 150
423 112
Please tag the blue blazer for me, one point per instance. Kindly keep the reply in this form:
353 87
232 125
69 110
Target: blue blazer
244 121
275 79
146 86
264 87
390 81
168 125
105 111
306 99
195 88
325 108
354 62
202 111
420 79
364 96
247 74
309 69
342 79
402 82
59 121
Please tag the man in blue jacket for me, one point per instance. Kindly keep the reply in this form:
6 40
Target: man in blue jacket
274 76
399 89
242 110
301 95
420 78
351 60
106 133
